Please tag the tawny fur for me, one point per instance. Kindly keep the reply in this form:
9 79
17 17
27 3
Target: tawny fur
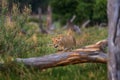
64 42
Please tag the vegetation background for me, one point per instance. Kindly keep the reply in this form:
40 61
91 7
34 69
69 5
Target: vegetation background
95 10
33 44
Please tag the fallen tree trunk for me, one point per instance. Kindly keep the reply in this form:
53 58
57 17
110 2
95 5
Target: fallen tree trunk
64 58
87 54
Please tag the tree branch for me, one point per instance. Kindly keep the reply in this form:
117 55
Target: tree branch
88 54
64 58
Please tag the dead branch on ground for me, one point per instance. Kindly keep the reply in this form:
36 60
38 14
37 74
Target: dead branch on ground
88 54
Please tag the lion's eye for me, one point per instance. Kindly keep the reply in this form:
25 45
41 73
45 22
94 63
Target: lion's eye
56 40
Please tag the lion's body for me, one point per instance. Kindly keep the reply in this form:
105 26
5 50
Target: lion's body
64 42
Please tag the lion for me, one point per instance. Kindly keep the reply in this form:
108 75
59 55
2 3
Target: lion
64 42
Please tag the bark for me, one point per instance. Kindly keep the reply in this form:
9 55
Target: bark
49 24
73 18
114 39
10 6
85 24
42 30
0 7
99 46
64 58
72 26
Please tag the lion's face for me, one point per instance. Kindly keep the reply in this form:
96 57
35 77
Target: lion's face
56 42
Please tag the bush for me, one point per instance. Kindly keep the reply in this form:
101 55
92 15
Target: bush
95 10
84 10
99 11
64 9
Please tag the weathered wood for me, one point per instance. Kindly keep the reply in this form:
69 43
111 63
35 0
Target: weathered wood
49 23
99 46
73 18
114 39
0 7
42 30
85 24
102 25
64 58
73 27
69 23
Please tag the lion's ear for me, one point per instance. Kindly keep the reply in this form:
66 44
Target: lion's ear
60 35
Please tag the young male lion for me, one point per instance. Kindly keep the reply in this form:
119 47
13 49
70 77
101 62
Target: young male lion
64 42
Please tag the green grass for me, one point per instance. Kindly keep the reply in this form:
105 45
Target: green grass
25 46
71 72
21 48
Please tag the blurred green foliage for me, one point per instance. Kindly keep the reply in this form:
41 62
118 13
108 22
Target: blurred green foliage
95 10
63 9
100 11
35 4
